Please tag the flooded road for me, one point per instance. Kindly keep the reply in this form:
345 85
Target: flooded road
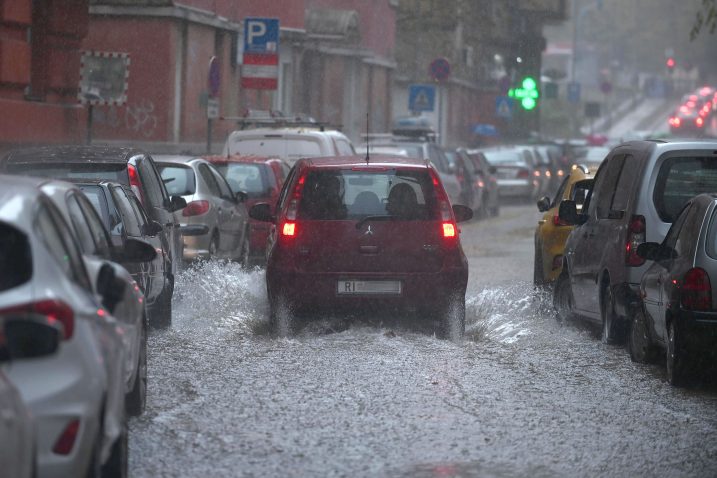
520 396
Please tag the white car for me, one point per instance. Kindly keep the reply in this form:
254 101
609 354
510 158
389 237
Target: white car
289 143
21 338
77 395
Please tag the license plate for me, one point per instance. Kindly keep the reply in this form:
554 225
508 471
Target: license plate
369 287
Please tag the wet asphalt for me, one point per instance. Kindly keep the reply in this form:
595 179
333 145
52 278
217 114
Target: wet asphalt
381 396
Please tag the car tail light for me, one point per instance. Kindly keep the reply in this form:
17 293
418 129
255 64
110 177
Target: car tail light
134 182
548 174
561 173
699 122
536 173
559 222
66 441
449 230
635 237
696 290
196 208
288 229
54 310
480 184
677 123
523 174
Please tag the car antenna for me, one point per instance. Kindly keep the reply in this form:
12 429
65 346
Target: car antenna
368 139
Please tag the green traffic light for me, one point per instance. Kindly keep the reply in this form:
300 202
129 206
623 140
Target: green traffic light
528 94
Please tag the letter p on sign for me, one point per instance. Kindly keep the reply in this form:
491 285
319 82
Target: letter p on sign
255 29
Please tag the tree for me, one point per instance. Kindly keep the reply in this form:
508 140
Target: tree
706 18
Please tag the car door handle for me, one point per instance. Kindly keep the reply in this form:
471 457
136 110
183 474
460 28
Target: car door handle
541 222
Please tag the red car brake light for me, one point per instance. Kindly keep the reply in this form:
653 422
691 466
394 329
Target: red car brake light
635 237
134 182
288 229
66 441
196 208
54 310
696 290
449 230
523 174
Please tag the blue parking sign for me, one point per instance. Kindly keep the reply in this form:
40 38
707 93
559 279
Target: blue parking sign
421 97
261 35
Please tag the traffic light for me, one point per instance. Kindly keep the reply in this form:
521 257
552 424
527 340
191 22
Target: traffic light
527 95
670 63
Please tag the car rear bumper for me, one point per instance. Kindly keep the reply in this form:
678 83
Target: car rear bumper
697 330
321 290
516 187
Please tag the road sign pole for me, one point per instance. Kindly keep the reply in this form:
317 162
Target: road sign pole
90 110
440 115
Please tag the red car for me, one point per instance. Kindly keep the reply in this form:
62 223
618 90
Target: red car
261 178
348 233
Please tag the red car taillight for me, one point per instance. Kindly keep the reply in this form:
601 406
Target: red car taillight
196 208
696 290
65 442
559 222
699 122
134 183
635 237
288 229
523 174
55 311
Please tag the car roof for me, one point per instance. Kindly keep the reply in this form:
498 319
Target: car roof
359 161
18 194
286 131
183 160
241 158
73 154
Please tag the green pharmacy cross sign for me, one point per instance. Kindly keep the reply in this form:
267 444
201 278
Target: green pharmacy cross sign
528 94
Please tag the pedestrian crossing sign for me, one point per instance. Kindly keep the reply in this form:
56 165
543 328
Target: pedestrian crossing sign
504 107
421 97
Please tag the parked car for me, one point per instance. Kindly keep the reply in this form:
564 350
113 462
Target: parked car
80 419
679 312
487 182
639 190
290 143
211 203
515 172
261 179
552 232
541 169
551 153
127 304
470 194
129 166
350 234
21 338
125 219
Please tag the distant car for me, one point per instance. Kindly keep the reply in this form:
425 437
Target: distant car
486 181
515 172
552 232
210 202
470 194
638 192
21 338
679 293
129 166
76 396
261 179
347 234
592 157
289 143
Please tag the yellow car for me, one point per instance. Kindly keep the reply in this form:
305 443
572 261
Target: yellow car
552 232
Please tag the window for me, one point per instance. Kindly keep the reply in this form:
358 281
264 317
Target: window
679 180
285 189
178 179
97 229
250 178
79 224
209 180
138 210
561 190
343 147
672 237
150 183
129 223
605 189
224 189
625 185
15 258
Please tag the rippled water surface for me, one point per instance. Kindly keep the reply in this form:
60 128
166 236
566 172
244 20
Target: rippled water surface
382 396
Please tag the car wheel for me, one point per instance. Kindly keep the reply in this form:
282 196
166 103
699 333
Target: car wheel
214 246
612 332
281 316
453 318
162 313
137 397
538 278
676 358
563 298
116 465
639 344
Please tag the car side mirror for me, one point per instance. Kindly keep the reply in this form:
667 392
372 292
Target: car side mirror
543 204
151 228
109 287
652 251
261 212
241 197
568 212
135 250
177 203
29 337
462 213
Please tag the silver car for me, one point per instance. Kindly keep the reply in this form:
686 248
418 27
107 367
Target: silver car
210 202
679 293
515 172
77 395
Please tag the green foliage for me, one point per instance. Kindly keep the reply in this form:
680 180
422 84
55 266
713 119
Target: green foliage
706 18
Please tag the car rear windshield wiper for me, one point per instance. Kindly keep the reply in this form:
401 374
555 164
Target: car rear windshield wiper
374 218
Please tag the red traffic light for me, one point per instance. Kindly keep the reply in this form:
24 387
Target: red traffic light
670 62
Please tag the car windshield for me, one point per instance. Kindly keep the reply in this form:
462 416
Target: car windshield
247 177
178 179
15 258
279 146
679 180
354 195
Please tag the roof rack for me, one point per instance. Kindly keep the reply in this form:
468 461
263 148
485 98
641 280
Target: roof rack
274 118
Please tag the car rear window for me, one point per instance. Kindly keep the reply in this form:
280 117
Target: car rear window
278 146
679 180
107 171
15 258
98 200
499 157
247 177
353 195
178 179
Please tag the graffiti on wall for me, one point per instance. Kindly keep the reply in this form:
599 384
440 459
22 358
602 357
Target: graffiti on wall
138 117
